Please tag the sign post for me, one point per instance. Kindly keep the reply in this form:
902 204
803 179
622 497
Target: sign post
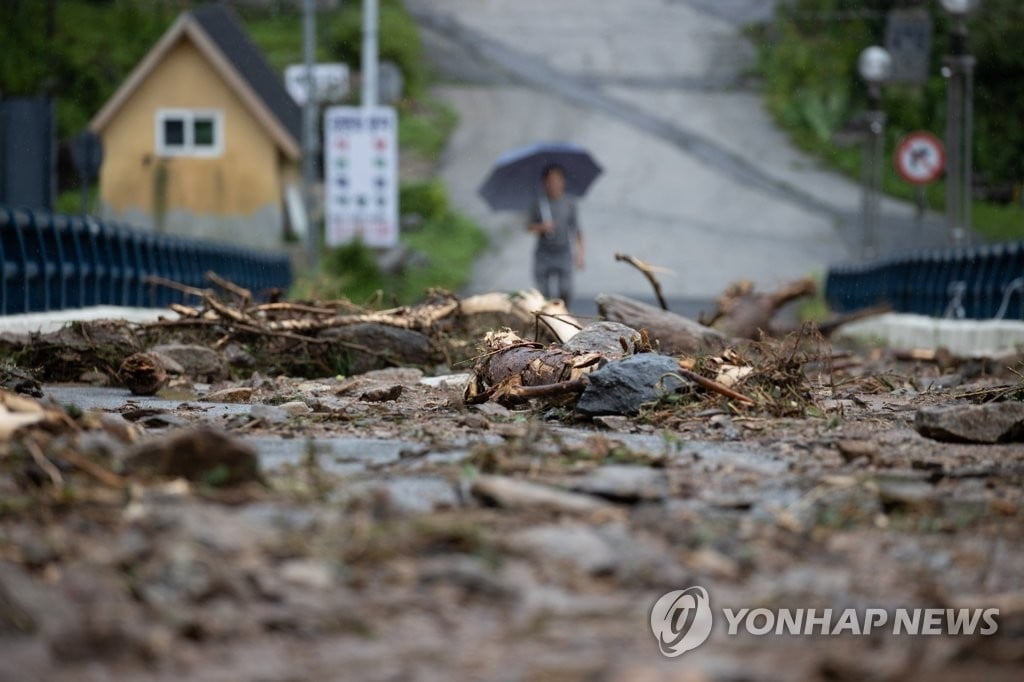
361 175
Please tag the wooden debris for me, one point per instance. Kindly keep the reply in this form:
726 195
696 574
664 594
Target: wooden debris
648 271
743 312
143 373
673 333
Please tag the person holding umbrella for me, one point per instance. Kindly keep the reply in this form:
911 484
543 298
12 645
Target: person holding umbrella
559 240
544 179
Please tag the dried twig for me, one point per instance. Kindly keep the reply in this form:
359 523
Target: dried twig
713 385
43 463
177 286
90 467
227 285
648 271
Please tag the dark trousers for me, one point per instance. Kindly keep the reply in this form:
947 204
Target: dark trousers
553 275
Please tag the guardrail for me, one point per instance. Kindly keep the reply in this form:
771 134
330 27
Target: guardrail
53 261
981 283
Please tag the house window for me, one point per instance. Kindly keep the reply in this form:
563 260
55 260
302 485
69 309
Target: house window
188 132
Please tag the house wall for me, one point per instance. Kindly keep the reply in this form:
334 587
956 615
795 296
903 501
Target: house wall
233 197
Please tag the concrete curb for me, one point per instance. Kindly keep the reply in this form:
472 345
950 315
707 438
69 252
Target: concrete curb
968 338
35 323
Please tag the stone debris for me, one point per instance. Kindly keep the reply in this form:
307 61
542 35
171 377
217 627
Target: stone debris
1001 422
622 386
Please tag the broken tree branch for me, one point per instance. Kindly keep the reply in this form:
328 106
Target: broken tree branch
648 271
712 385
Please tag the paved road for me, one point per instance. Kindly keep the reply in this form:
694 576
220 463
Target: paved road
697 178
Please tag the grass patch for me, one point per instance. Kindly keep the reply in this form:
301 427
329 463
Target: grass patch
424 127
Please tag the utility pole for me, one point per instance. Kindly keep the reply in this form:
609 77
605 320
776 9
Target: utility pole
958 68
875 67
369 65
310 134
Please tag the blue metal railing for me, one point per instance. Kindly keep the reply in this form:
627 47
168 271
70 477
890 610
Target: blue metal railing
981 283
53 261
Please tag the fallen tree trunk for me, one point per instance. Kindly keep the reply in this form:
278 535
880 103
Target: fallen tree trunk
674 333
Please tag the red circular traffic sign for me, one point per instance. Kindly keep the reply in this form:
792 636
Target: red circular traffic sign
920 158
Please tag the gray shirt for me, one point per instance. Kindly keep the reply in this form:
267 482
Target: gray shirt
563 214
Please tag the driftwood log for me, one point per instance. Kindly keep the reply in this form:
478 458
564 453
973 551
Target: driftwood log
743 312
673 333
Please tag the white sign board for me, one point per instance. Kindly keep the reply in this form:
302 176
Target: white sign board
331 82
361 175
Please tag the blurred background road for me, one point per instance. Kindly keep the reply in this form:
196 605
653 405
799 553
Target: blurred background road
697 178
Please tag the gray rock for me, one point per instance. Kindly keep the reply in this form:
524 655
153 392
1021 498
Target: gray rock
269 414
170 365
622 386
575 544
238 356
624 483
385 346
992 423
199 362
513 493
409 494
602 337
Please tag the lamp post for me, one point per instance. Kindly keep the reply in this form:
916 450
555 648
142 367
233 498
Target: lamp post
874 66
958 69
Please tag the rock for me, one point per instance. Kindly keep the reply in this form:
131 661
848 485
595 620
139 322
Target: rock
199 362
201 455
20 381
915 494
143 373
622 386
269 414
516 494
613 422
170 365
603 337
855 449
575 544
382 394
384 346
312 573
992 423
624 483
295 408
407 376
238 356
237 394
94 378
409 494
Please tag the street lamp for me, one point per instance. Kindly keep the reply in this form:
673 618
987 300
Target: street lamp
958 69
874 66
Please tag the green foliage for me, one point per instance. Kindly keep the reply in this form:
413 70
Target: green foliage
80 53
808 61
426 199
451 244
424 128
399 41
351 271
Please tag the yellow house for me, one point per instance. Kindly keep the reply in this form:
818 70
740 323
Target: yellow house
202 138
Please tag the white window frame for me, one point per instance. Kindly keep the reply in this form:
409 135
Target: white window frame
189 148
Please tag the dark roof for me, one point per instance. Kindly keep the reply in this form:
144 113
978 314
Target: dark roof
224 28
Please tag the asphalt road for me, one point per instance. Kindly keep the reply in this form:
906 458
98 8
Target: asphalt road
697 177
